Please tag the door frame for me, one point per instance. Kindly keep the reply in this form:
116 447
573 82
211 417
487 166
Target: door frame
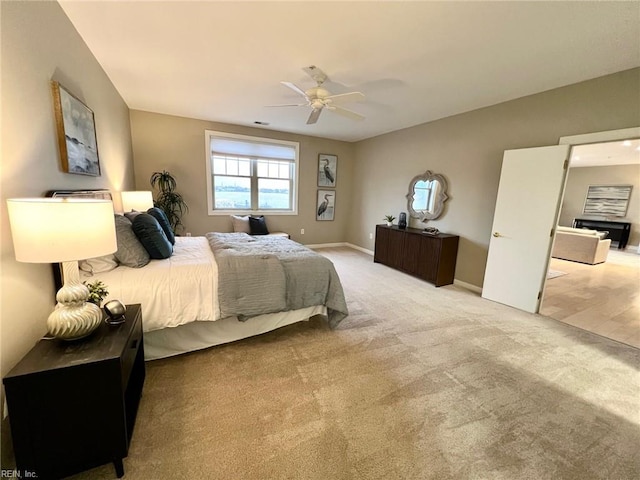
584 139
600 137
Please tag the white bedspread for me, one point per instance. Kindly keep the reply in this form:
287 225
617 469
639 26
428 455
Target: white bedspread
181 289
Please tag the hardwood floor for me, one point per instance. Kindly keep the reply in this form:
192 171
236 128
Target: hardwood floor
603 299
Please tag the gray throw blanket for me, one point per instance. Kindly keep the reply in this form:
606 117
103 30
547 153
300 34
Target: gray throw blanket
265 274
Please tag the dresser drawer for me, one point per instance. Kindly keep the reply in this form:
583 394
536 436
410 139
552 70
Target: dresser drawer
132 347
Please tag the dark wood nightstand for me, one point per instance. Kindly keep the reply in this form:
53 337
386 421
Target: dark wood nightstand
73 405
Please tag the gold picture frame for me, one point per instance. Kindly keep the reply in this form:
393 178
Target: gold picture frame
77 141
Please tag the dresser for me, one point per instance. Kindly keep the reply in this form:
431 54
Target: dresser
429 257
73 405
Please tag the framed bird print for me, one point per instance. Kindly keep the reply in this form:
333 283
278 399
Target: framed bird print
327 170
325 207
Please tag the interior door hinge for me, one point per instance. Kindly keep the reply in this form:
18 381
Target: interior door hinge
551 234
539 294
566 164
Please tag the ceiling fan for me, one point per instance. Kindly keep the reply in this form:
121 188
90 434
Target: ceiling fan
319 98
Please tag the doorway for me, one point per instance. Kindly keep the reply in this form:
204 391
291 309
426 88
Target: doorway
503 268
602 298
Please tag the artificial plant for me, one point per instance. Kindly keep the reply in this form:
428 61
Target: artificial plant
168 199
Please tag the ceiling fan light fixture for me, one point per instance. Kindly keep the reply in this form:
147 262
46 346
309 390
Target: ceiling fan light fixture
319 98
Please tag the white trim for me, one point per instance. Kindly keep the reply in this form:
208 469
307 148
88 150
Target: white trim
468 286
361 249
340 244
327 245
599 137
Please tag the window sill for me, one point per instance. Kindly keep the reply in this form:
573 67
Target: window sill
251 212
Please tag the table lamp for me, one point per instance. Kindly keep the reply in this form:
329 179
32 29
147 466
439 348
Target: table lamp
52 230
140 201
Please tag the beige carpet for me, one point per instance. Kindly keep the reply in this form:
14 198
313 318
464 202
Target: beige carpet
418 383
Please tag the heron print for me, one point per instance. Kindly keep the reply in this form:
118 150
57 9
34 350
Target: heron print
326 204
327 170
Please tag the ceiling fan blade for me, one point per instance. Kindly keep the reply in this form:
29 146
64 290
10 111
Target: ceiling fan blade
346 113
313 118
345 97
315 73
289 105
295 88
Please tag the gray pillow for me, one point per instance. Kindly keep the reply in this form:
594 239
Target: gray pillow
130 251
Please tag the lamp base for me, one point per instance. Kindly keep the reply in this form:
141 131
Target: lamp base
74 318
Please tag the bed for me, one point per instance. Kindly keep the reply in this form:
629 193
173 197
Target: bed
224 287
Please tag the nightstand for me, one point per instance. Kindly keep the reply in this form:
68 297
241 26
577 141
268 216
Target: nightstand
73 405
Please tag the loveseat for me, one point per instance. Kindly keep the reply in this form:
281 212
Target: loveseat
581 245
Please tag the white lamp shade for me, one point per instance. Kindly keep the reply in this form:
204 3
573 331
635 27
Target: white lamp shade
140 201
50 230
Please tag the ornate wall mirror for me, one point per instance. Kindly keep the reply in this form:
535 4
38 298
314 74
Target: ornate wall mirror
426 197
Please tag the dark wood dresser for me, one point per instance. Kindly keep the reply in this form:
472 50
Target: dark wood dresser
73 405
429 257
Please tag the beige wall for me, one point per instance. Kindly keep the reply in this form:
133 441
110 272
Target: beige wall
177 144
578 182
468 148
39 44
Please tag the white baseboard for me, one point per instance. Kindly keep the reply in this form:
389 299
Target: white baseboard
468 286
340 244
326 245
361 249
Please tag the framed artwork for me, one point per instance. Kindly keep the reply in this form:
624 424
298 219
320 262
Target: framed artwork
327 170
610 200
326 205
76 133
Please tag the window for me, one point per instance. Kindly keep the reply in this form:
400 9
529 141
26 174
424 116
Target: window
251 175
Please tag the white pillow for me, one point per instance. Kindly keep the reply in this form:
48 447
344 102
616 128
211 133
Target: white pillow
241 223
102 264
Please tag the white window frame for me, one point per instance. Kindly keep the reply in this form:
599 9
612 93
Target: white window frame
212 211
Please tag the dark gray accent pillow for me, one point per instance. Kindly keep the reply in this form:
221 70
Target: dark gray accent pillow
152 237
163 220
130 251
132 214
258 226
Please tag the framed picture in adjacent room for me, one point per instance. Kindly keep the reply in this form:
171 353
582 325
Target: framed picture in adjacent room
326 204
76 133
327 170
607 200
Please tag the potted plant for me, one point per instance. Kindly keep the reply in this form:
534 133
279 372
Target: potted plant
168 199
97 292
389 219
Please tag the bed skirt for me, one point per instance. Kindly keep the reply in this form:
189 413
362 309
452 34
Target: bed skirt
192 336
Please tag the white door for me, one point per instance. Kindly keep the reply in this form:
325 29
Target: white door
527 208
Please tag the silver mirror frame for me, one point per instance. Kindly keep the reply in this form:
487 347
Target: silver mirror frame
439 201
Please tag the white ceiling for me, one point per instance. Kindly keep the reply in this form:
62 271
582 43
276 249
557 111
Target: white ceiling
609 153
415 61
